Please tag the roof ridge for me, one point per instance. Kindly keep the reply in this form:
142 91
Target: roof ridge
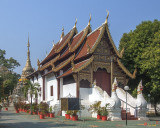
95 30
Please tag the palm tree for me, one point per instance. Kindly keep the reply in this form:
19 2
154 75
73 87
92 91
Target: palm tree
32 89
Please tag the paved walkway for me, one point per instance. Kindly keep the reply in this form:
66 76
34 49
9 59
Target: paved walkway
10 119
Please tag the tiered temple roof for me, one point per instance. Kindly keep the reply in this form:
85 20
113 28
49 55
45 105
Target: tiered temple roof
75 51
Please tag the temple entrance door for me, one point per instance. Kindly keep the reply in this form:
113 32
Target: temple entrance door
103 80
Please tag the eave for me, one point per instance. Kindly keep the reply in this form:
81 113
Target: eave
133 76
50 63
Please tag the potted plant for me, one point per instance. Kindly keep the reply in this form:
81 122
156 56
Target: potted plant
6 107
0 108
74 115
68 113
96 108
104 112
34 108
51 113
16 106
43 109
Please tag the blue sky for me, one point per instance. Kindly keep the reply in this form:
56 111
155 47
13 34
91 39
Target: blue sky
43 19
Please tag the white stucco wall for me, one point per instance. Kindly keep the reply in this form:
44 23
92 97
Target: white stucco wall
85 92
41 86
51 81
69 89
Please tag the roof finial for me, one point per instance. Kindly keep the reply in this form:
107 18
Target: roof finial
89 19
38 63
62 32
28 53
75 23
46 54
28 45
107 16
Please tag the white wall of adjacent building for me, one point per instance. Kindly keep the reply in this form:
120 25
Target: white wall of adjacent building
69 89
51 81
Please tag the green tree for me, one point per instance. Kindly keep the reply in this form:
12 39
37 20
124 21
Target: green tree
142 51
32 89
10 63
8 79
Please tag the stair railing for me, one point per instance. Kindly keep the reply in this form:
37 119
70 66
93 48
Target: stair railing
135 108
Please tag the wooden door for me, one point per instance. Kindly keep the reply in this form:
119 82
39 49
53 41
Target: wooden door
103 80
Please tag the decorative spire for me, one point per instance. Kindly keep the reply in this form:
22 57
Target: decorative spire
38 63
62 32
28 63
75 23
46 53
89 20
53 43
28 68
107 16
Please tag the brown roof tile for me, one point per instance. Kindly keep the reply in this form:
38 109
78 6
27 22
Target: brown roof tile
91 39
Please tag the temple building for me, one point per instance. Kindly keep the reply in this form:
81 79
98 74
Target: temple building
78 62
27 70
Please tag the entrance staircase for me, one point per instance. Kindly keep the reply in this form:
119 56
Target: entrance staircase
129 116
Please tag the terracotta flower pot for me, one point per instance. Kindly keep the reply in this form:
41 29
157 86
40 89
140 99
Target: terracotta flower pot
75 118
98 117
6 109
39 113
41 116
17 111
104 118
67 116
47 114
51 115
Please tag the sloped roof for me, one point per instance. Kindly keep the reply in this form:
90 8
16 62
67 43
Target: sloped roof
91 39
77 67
77 48
63 64
60 45
76 42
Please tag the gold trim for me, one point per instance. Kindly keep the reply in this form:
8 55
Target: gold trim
107 16
89 20
121 53
75 23
73 65
50 63
112 42
82 38
126 70
84 65
102 29
38 63
64 64
66 41
88 48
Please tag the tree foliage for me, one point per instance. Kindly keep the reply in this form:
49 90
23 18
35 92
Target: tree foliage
8 79
31 89
142 51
